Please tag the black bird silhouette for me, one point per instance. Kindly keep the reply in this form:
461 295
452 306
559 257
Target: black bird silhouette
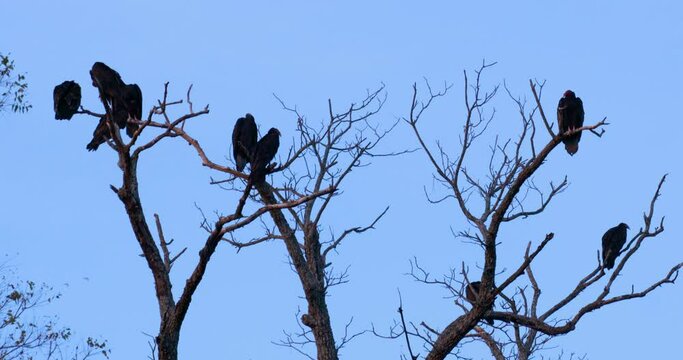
108 81
67 99
125 101
132 101
612 242
244 141
472 294
265 151
569 117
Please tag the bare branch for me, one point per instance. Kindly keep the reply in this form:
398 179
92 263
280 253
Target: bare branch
540 107
168 260
356 230
405 331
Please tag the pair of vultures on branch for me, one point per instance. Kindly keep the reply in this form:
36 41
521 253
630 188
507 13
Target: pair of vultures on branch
245 148
123 100
570 117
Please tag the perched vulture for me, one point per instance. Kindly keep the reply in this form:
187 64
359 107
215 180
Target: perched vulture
612 242
125 100
244 140
67 98
108 81
132 101
570 117
265 151
100 135
472 292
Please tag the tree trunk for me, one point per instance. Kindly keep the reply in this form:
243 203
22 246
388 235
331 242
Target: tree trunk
321 326
310 269
169 331
167 341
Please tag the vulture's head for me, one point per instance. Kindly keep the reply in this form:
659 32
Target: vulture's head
274 131
569 94
96 68
622 225
92 76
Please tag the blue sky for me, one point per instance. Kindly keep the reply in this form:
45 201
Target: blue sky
59 222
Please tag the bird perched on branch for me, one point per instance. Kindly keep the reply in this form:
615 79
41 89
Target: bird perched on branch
109 83
569 117
125 101
472 294
67 99
132 101
612 242
244 139
265 151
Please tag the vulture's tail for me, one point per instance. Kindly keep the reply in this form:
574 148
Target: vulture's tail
572 146
240 162
609 258
93 145
131 129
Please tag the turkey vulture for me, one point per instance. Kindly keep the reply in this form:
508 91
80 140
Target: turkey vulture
125 100
612 242
108 81
112 88
132 101
265 151
67 98
570 117
244 140
471 293
100 135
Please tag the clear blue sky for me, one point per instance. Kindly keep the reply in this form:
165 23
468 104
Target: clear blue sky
60 223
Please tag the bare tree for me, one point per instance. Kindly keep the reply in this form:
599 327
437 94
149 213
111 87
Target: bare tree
509 193
324 155
24 335
12 87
